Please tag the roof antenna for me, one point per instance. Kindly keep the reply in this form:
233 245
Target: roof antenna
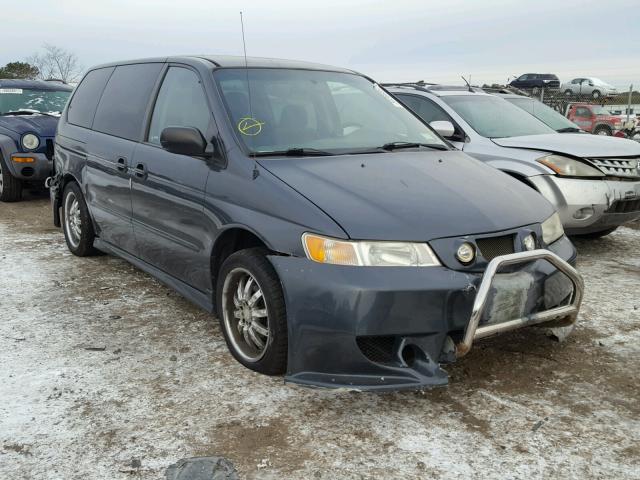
467 82
246 66
256 172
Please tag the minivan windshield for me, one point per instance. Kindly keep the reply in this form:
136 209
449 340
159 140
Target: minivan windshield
545 114
494 117
286 110
15 99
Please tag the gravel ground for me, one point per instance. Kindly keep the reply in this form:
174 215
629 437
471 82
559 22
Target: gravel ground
107 374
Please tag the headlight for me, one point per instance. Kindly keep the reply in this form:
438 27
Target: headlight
30 141
552 229
371 254
569 167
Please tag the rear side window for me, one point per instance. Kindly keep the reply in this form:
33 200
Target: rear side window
181 103
124 102
82 106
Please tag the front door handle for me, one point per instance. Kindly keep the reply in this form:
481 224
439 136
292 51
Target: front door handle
140 171
122 165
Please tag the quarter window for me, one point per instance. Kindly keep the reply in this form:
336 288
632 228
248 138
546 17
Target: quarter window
425 109
82 106
181 103
124 102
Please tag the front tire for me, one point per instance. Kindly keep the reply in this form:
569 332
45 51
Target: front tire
596 94
76 222
10 186
251 311
605 131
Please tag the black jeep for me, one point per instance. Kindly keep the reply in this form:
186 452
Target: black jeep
29 112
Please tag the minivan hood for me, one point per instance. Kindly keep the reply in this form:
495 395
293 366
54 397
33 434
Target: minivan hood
411 196
42 125
576 144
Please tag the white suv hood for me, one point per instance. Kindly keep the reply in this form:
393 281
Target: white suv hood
576 144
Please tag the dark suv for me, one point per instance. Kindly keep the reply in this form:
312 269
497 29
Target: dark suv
29 112
536 82
339 238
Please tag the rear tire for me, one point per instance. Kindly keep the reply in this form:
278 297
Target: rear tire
76 222
595 235
596 94
251 310
535 90
10 186
568 93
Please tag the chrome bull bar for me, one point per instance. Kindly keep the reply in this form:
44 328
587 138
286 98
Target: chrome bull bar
570 311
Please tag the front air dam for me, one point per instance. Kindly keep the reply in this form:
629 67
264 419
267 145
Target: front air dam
368 328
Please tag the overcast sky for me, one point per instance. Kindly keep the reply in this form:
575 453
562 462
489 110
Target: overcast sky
390 41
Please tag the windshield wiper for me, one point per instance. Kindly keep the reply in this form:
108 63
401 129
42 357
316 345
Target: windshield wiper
568 129
294 152
398 145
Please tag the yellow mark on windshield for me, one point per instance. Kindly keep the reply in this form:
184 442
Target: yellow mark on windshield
250 126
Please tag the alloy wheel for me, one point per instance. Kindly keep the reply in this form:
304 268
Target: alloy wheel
72 220
246 319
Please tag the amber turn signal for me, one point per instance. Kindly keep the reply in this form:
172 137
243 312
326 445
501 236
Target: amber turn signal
23 159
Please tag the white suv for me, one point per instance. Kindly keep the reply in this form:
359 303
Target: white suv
594 87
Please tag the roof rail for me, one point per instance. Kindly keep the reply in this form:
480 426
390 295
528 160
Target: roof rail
434 87
505 89
57 80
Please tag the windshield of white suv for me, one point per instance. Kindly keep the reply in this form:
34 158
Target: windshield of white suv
320 112
545 114
15 99
494 117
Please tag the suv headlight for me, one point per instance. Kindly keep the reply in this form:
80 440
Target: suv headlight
569 167
552 229
364 253
30 141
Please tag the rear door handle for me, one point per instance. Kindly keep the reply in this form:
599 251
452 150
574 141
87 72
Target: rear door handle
140 171
122 164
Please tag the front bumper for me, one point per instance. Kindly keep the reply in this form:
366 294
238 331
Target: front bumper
34 171
587 206
391 328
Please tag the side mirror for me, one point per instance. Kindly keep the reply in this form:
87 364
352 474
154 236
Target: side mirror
444 128
183 141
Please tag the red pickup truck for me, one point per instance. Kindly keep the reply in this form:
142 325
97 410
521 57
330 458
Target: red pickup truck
595 119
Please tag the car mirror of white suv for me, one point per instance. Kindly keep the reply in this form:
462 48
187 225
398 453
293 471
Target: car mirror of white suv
444 128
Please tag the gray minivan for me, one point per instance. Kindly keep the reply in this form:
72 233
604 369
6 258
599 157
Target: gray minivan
338 238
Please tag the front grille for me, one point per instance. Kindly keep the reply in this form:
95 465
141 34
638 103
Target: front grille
618 167
625 206
493 247
49 151
378 349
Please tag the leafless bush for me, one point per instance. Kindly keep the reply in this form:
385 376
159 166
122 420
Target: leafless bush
56 62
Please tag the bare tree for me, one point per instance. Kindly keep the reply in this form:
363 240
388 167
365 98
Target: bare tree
56 62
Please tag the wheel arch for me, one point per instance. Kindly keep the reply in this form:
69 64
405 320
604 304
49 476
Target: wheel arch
65 179
232 239
7 147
